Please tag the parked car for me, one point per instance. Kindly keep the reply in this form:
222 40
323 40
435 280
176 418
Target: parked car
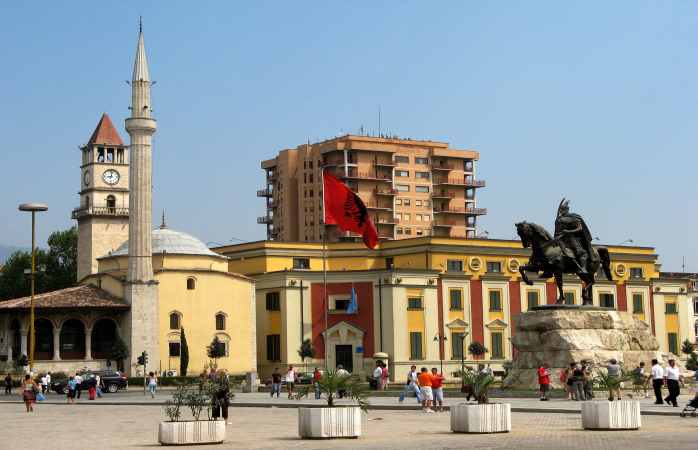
111 381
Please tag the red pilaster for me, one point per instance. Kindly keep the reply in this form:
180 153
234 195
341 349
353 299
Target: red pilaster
622 297
440 309
514 306
551 292
477 326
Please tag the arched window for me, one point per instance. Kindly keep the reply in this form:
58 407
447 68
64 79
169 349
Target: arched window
103 337
191 283
44 339
220 321
72 345
175 322
111 203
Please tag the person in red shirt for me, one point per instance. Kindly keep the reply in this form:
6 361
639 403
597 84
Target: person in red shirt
544 381
437 383
317 376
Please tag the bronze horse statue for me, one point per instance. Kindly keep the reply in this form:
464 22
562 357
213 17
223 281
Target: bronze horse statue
551 258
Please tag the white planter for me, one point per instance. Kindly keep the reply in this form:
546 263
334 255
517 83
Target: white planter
323 423
488 418
193 432
605 415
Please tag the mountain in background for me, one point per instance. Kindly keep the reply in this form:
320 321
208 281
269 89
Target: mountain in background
6 251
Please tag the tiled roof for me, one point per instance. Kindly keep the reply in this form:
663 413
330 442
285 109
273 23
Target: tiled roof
84 296
105 133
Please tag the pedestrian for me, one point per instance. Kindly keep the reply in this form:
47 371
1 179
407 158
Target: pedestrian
48 381
384 376
640 379
98 387
344 373
577 382
78 380
29 391
42 383
437 388
411 385
220 400
152 384
275 383
317 376
613 371
290 380
72 387
377 375
92 387
8 384
657 375
673 376
424 381
544 381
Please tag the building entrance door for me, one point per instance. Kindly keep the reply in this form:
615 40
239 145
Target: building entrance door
344 356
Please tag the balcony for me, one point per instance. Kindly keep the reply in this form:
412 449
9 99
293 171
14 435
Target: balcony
388 163
379 207
264 192
446 224
356 175
340 164
447 195
265 219
470 211
385 221
271 177
441 166
85 211
385 191
476 211
475 183
470 183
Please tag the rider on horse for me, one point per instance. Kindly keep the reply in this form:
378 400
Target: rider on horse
573 235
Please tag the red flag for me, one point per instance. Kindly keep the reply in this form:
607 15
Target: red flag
345 209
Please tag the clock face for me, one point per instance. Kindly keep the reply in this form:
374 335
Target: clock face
111 176
86 178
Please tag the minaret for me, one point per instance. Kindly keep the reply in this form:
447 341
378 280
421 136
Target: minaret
141 289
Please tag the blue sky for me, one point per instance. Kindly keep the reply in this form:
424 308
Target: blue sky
594 101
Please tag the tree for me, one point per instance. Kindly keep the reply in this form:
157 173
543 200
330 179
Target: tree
56 268
306 350
118 352
216 350
477 349
183 354
687 347
692 361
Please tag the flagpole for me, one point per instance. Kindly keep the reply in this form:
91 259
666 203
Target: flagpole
324 262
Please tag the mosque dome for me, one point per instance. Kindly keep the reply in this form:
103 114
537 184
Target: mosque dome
172 242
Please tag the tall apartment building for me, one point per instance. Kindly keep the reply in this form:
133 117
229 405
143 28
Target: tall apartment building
411 188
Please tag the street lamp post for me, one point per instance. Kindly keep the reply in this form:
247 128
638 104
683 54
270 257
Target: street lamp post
440 337
33 208
461 336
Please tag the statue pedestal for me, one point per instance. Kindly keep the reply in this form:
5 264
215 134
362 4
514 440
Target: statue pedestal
560 334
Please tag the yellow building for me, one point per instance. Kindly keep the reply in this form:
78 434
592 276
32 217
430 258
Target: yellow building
418 297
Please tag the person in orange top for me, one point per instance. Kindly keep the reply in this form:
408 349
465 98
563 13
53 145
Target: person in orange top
437 383
424 380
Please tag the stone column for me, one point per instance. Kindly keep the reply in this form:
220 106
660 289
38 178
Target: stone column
56 344
88 343
23 349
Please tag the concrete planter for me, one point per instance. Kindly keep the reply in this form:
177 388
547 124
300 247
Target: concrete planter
327 423
605 415
488 418
192 432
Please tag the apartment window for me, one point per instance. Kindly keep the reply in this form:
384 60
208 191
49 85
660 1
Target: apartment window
454 265
220 322
301 263
273 301
191 283
421 189
273 347
402 187
341 304
695 307
673 341
426 217
569 298
457 345
468 166
670 308
389 263
398 216
456 299
398 201
497 347
417 203
310 164
414 303
415 345
418 217
606 300
406 202
419 232
174 321
408 231
532 298
402 173
175 349
494 267
398 230
427 203
418 160
402 159
422 175
638 307
495 300
636 272
407 217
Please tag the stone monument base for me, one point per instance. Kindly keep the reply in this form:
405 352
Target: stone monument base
560 334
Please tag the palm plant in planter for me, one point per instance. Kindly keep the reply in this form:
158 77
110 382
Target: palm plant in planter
610 415
334 421
176 431
483 417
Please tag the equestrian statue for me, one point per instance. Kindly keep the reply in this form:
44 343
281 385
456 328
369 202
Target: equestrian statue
569 251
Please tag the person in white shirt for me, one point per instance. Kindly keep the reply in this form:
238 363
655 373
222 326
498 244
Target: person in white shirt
377 374
290 380
48 381
43 384
342 372
657 381
78 380
672 374
412 385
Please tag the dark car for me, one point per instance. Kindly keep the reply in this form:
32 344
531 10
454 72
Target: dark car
111 381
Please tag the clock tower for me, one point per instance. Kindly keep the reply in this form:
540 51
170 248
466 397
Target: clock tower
103 212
